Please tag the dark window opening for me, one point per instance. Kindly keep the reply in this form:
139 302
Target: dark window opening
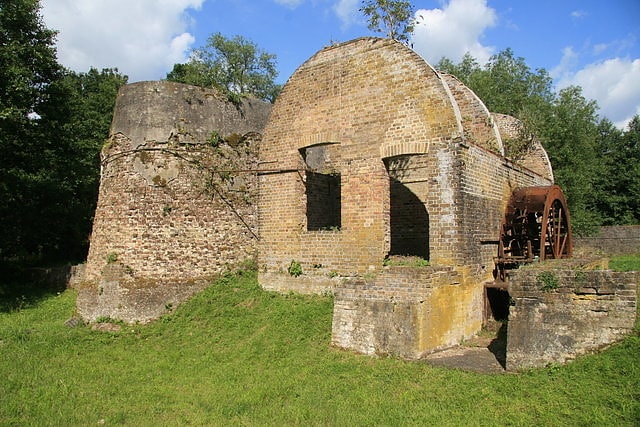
322 189
409 222
323 201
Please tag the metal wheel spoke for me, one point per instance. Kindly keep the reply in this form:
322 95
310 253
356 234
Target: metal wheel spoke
536 226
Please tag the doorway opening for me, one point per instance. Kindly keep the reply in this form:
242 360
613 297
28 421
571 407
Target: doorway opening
408 216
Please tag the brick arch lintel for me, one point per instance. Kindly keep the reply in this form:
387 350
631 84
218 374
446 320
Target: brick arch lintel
392 149
319 138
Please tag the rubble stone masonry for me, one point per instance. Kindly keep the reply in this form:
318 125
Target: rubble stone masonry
558 313
177 200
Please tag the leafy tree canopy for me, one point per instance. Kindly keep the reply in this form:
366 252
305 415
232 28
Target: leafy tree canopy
29 66
235 66
618 186
28 58
506 84
394 18
53 123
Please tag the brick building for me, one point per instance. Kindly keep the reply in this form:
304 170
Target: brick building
369 164
370 153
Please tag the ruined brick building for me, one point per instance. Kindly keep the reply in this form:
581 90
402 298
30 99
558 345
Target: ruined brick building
176 204
369 165
374 154
378 155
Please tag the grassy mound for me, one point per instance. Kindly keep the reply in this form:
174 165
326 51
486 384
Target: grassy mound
235 354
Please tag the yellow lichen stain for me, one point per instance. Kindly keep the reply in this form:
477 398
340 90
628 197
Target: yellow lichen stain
451 313
584 297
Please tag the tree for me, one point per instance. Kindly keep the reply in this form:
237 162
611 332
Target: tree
29 66
506 84
79 115
236 66
566 123
618 186
53 123
28 58
464 71
391 17
569 134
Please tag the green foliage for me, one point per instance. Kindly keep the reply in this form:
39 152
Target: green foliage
394 18
53 124
235 66
597 165
79 115
295 269
505 84
107 319
214 139
625 262
28 58
547 281
112 257
617 187
29 66
199 365
405 261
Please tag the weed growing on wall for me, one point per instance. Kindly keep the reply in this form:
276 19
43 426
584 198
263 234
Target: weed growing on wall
547 281
295 269
214 139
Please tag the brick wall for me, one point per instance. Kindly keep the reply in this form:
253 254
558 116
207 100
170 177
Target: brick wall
415 176
533 156
478 124
421 172
613 240
365 97
176 206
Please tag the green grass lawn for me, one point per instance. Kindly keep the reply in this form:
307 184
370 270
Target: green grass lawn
625 263
237 355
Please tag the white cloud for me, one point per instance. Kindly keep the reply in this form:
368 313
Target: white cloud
453 31
614 84
347 11
568 62
578 14
289 3
142 38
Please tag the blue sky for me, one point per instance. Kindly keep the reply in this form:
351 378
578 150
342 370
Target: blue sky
591 43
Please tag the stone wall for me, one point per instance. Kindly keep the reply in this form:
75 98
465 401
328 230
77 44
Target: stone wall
177 199
559 313
406 311
613 240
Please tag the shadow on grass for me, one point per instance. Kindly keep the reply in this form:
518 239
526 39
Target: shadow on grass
498 345
22 285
